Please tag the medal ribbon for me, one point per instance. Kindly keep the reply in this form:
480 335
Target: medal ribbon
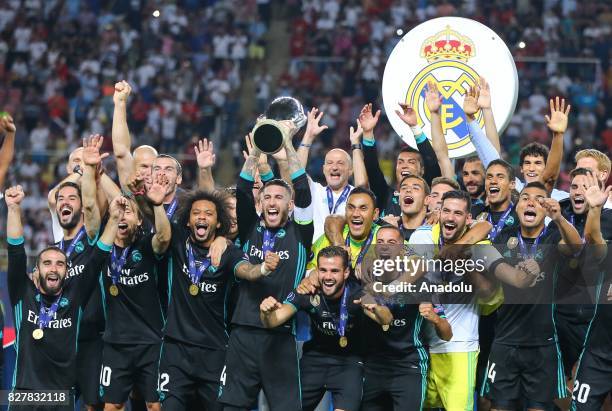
268 241
364 247
341 325
45 315
330 199
196 273
501 223
117 264
533 247
571 220
74 241
172 208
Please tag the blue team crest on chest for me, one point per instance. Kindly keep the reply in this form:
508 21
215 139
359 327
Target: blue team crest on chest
79 247
136 256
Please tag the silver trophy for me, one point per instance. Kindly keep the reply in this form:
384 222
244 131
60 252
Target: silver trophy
282 119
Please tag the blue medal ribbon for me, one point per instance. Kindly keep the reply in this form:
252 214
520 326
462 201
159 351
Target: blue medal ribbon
268 241
172 208
364 247
571 220
533 247
45 315
501 223
74 242
330 199
343 319
117 264
196 273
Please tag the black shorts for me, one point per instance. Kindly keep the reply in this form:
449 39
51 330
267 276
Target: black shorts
88 362
572 331
188 374
394 384
533 375
593 382
486 335
341 376
125 367
259 358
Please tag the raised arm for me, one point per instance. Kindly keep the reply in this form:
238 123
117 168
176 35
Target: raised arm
571 243
7 150
273 313
163 230
245 202
91 160
433 99
485 149
17 260
206 157
376 178
557 124
379 313
121 135
313 129
360 175
484 103
334 226
596 198
252 272
13 197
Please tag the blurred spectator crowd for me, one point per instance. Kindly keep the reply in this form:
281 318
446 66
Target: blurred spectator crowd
187 63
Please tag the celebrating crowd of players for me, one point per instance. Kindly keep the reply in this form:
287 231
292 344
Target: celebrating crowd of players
192 299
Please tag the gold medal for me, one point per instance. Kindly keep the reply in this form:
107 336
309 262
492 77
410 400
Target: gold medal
343 341
385 327
38 333
113 290
573 263
512 243
482 216
194 290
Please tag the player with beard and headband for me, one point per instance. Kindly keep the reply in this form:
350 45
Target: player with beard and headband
338 166
196 329
525 361
258 357
396 357
48 315
140 163
473 178
429 160
332 359
500 211
452 374
535 162
575 307
593 375
79 215
133 334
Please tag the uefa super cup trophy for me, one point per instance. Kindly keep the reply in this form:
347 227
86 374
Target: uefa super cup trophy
282 119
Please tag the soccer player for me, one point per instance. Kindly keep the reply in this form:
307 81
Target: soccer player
525 362
413 191
535 162
500 210
133 334
593 382
338 166
79 215
598 163
257 357
573 312
396 359
196 333
452 375
48 311
332 359
439 186
473 178
7 150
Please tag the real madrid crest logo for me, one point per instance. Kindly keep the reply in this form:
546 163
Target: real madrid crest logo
79 247
136 256
509 220
453 53
281 233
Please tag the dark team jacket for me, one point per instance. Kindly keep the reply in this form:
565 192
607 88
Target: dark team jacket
135 315
93 321
201 319
529 324
48 363
386 196
292 243
324 316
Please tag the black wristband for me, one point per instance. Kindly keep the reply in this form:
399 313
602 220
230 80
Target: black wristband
357 146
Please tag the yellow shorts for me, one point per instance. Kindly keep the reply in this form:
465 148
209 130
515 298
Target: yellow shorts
451 381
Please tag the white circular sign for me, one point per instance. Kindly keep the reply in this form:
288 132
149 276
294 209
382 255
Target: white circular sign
454 52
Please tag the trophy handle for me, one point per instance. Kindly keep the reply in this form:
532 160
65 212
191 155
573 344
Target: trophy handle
269 135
